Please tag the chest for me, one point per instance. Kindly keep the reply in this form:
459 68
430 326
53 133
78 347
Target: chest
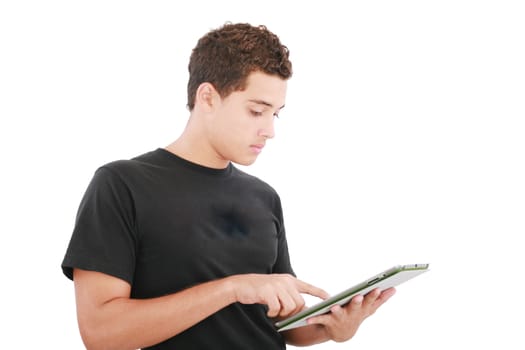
192 234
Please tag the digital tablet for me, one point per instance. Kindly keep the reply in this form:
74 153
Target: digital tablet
384 280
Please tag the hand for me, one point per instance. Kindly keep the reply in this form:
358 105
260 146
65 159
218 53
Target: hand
280 292
342 323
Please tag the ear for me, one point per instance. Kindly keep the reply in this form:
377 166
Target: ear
206 96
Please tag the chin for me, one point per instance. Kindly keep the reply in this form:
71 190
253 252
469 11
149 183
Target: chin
245 161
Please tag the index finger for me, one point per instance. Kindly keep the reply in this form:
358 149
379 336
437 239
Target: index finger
308 288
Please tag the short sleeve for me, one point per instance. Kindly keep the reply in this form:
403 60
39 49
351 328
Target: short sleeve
104 237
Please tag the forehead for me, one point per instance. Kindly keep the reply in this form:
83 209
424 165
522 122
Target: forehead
265 87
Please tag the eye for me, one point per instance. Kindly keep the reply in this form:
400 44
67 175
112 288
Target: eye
256 113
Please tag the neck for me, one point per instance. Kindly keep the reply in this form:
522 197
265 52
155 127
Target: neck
193 147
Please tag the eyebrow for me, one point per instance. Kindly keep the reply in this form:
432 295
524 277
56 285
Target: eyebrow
262 102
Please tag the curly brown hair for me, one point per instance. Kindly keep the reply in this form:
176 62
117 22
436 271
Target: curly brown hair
226 56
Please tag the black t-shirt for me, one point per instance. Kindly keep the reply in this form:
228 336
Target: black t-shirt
164 224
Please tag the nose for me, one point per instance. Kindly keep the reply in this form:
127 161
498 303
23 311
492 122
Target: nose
267 130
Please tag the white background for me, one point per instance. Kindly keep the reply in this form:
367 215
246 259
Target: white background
402 141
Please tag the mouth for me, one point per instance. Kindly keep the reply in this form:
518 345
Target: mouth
257 148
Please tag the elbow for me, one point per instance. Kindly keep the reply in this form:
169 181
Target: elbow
95 338
90 338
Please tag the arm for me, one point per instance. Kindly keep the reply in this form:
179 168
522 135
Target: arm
108 318
341 323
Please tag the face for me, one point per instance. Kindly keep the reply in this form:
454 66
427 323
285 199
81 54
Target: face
243 121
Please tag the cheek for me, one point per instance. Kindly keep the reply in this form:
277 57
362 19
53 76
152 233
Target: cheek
239 126
226 135
235 128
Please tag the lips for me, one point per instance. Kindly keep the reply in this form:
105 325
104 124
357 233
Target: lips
257 148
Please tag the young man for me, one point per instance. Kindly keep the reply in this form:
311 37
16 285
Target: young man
179 249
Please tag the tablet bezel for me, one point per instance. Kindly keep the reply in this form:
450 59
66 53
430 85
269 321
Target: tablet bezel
384 280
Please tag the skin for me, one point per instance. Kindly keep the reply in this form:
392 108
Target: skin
235 129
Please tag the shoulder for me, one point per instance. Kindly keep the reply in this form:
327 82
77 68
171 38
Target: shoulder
244 177
253 185
122 174
125 167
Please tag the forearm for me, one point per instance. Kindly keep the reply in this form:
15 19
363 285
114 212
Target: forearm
124 323
307 335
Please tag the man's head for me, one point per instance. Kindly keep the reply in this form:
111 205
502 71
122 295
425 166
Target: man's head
225 57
